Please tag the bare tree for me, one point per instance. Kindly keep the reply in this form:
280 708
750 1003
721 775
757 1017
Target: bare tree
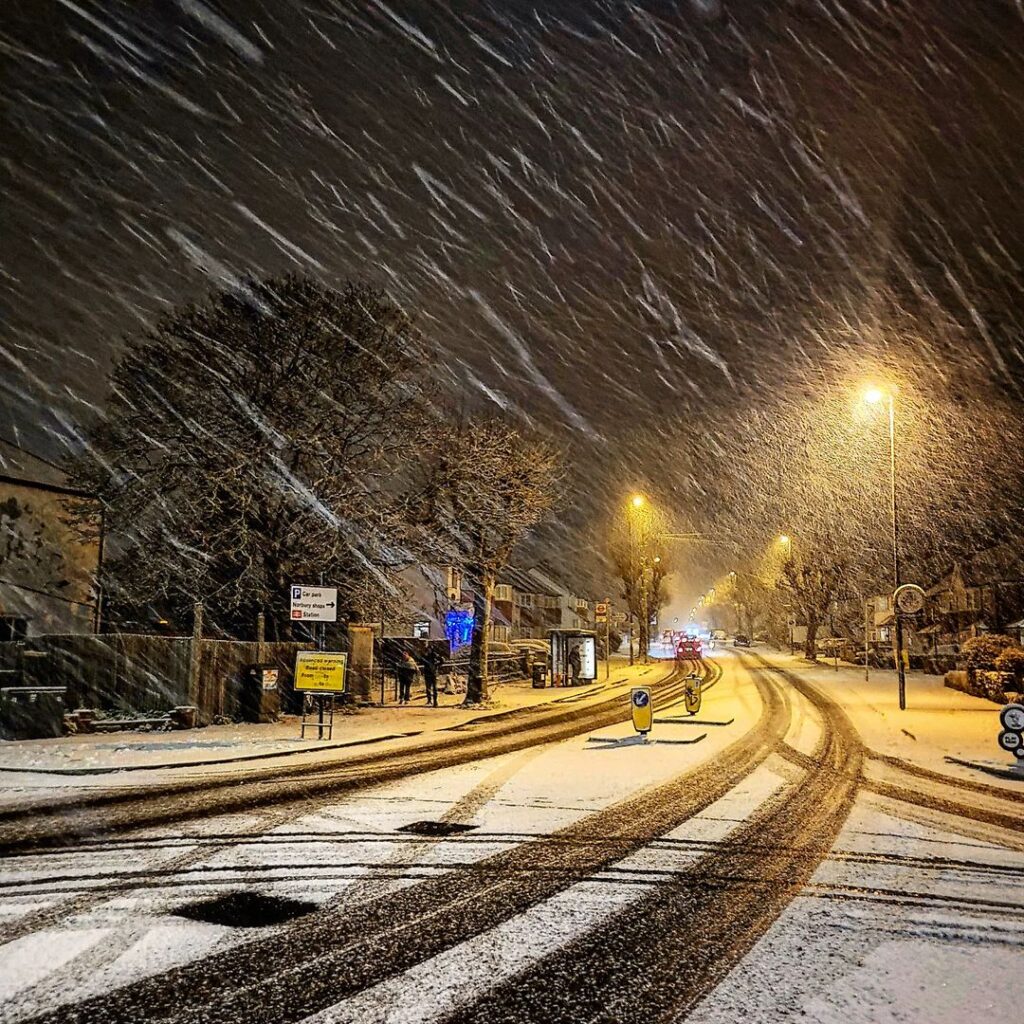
489 485
255 440
638 555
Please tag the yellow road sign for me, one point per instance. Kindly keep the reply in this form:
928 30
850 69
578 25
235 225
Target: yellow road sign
642 706
320 671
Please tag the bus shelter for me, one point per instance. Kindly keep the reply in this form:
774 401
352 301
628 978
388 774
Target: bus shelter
573 656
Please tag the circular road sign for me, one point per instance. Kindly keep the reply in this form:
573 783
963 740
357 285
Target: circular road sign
1012 717
1011 741
640 698
908 599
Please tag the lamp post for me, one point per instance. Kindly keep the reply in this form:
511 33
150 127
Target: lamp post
636 503
874 396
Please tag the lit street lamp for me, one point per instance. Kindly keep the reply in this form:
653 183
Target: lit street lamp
874 396
637 502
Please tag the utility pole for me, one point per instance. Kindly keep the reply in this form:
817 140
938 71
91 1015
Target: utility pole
194 655
898 619
874 396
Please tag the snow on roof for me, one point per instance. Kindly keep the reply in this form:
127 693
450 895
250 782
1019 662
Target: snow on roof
526 583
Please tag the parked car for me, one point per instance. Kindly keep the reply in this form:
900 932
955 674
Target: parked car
741 640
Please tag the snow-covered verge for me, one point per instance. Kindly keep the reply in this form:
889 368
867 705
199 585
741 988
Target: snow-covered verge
938 722
98 761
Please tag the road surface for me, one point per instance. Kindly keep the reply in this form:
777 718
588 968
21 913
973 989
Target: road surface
758 861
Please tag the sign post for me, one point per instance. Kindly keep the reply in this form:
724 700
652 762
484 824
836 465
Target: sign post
642 708
601 615
323 673
907 600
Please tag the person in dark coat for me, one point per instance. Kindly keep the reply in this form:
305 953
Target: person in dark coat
407 670
575 665
432 661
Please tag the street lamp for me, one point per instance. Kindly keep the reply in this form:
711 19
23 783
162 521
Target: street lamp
637 502
875 396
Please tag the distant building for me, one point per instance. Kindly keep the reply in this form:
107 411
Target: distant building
574 611
50 551
980 594
526 604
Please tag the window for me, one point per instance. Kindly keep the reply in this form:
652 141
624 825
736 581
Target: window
503 592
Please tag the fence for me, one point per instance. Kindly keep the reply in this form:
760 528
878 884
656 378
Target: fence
501 668
142 673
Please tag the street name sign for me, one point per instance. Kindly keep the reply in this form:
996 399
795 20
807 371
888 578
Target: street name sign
642 707
320 671
909 599
315 604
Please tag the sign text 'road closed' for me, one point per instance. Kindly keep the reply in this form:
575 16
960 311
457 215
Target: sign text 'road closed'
320 671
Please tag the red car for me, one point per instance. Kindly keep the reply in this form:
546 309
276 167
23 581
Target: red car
689 647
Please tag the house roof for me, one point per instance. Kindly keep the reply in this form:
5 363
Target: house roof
1001 563
525 582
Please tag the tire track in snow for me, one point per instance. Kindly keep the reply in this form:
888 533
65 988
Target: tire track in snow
60 825
321 959
54 988
659 958
303 795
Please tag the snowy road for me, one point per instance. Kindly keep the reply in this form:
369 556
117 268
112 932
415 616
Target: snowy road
759 862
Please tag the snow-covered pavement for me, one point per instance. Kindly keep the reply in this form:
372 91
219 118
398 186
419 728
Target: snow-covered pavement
939 727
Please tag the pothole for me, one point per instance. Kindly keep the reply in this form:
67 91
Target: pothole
436 828
245 910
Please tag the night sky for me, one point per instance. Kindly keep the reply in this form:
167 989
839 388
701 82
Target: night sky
621 222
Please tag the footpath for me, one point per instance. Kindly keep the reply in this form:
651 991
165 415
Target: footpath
109 758
939 729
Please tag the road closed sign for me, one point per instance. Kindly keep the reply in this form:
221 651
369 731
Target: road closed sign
320 671
642 707
314 604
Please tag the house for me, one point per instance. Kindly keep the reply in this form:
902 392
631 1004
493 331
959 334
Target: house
530 605
51 540
574 611
980 594
526 603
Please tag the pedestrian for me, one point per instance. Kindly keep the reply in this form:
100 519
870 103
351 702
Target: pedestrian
575 665
406 675
431 666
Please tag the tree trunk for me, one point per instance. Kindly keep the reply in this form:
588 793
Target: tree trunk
477 689
811 642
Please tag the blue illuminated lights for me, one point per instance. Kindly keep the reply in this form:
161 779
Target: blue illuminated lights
458 627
